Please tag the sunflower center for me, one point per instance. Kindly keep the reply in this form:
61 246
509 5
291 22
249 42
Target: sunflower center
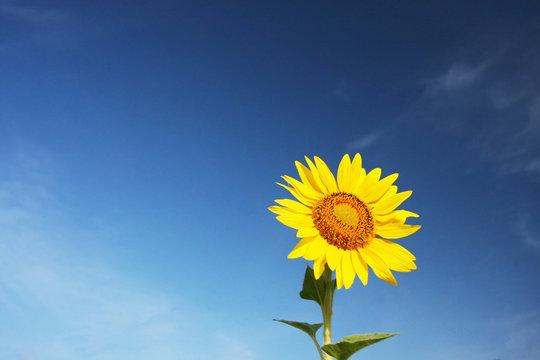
346 213
343 221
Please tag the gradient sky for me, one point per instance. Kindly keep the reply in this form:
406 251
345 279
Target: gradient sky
140 143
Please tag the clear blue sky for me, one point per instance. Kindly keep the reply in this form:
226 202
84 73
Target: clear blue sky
140 143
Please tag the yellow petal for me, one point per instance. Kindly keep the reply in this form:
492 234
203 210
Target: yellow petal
298 196
296 221
306 176
326 175
305 189
395 248
388 194
360 266
344 174
347 268
318 267
378 265
300 248
390 203
316 176
380 188
294 205
398 216
395 230
283 210
333 256
339 277
363 190
395 260
357 164
316 249
358 174
307 232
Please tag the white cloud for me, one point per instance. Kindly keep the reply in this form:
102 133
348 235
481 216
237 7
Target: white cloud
32 14
364 141
528 234
457 77
493 106
502 97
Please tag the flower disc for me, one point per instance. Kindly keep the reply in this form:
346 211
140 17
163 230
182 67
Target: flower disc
343 221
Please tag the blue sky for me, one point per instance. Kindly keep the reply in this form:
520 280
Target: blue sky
140 143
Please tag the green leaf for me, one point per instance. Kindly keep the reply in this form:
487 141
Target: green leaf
351 344
310 329
316 290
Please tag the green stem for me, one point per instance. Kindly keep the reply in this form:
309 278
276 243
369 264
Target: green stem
327 309
318 348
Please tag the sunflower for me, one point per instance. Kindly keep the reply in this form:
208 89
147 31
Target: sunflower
346 224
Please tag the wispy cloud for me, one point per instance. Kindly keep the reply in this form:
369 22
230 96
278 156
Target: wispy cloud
41 25
522 332
32 14
364 141
494 106
457 77
503 96
58 302
530 236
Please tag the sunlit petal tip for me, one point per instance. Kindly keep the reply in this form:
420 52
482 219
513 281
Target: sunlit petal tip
357 160
415 228
326 175
396 230
344 174
285 186
286 178
318 266
317 177
274 209
376 172
294 206
300 248
347 269
339 278
360 267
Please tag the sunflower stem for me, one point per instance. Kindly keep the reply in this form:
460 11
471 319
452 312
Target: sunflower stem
327 308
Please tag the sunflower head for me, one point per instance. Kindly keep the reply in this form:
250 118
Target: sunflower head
346 224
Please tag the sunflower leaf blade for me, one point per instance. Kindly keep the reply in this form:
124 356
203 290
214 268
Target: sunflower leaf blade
310 329
316 289
349 345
